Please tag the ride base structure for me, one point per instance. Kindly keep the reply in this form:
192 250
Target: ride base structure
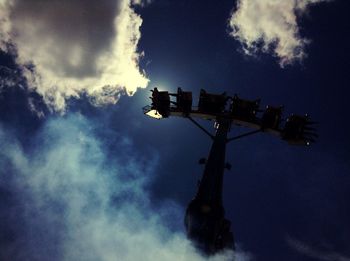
205 222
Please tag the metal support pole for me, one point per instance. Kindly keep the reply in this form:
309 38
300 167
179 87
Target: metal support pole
205 221
201 127
244 135
210 189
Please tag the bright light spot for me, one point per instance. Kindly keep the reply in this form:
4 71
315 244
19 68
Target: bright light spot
154 114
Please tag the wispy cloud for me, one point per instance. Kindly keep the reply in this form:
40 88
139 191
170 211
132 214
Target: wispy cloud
66 199
313 252
68 48
10 78
271 26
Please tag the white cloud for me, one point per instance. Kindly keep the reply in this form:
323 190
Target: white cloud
75 48
5 25
312 252
9 78
70 201
142 2
271 25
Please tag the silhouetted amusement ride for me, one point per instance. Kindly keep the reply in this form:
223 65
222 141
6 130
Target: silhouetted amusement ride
205 221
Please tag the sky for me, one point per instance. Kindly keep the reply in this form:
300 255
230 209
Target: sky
86 176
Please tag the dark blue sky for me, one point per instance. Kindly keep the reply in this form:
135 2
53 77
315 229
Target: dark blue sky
275 194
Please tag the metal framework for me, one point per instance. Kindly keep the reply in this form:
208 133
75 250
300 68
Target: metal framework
205 221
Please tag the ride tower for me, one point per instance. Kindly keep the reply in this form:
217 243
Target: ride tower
205 222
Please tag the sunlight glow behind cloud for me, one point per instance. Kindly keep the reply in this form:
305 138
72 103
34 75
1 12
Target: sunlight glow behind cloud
271 26
68 48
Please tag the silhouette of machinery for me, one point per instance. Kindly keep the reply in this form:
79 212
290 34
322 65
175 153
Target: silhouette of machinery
205 221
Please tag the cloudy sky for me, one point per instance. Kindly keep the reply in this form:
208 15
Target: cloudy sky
86 176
